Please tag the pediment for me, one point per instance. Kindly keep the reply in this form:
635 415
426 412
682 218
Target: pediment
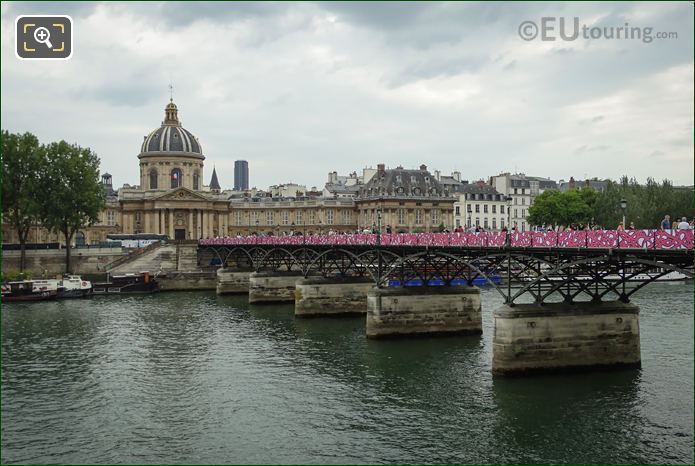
180 194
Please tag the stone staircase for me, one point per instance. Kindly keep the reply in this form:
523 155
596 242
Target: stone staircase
187 256
164 257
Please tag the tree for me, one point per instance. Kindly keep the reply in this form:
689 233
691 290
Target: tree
22 160
646 204
553 207
72 195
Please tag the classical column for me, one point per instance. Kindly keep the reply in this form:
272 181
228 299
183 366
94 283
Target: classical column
200 224
204 225
162 227
147 222
211 224
171 223
190 224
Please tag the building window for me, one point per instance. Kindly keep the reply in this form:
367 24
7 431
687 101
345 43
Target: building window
298 217
516 213
418 216
269 217
435 216
469 208
477 221
458 210
329 216
401 216
285 217
237 217
494 209
312 217
153 179
347 217
501 209
523 191
501 223
254 217
176 177
196 180
469 222
484 208
485 223
477 208
111 217
515 192
516 200
494 223
523 213
523 201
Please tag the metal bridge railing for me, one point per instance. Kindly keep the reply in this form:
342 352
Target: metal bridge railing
585 239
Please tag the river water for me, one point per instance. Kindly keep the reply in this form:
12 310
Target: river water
190 377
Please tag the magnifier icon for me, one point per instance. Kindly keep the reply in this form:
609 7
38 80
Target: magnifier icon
42 36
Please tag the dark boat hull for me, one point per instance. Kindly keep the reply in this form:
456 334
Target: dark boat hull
38 296
67 294
134 288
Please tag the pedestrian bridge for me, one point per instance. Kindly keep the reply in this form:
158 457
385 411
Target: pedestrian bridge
566 294
547 266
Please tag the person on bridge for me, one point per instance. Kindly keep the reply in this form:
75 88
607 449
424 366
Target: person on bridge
632 226
620 227
666 223
684 225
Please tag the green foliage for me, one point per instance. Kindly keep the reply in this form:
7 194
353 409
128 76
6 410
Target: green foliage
55 184
72 197
22 162
553 207
646 204
15 275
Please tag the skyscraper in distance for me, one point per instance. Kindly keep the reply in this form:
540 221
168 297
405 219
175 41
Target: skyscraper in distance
241 175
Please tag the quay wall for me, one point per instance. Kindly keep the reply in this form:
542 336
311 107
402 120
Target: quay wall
52 261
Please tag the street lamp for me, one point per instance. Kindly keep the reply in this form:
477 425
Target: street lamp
623 205
378 227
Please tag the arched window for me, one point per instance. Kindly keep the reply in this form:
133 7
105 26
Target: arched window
195 179
176 178
153 179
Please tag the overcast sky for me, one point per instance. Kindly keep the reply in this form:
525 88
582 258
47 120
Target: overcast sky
301 89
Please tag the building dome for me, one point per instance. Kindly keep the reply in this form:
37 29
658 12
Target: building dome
171 138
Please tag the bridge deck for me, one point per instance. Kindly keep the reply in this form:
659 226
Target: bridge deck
594 240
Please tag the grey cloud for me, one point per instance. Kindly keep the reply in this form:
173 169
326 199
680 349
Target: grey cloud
585 148
435 68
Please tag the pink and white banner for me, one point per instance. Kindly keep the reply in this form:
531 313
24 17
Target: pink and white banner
598 239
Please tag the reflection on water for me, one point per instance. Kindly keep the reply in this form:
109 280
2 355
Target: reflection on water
194 378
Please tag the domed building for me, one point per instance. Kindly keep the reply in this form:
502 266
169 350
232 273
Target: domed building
171 156
171 198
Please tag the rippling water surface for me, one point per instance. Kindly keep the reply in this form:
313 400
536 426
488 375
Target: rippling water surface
197 378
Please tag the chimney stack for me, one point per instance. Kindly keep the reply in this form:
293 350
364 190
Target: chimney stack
381 168
437 175
423 167
456 175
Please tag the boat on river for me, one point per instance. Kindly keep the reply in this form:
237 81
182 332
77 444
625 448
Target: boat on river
24 291
129 283
69 286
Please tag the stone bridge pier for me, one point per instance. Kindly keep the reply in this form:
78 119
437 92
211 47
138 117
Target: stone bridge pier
232 281
273 287
426 310
559 337
318 296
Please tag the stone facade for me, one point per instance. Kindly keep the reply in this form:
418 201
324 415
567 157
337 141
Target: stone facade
406 200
